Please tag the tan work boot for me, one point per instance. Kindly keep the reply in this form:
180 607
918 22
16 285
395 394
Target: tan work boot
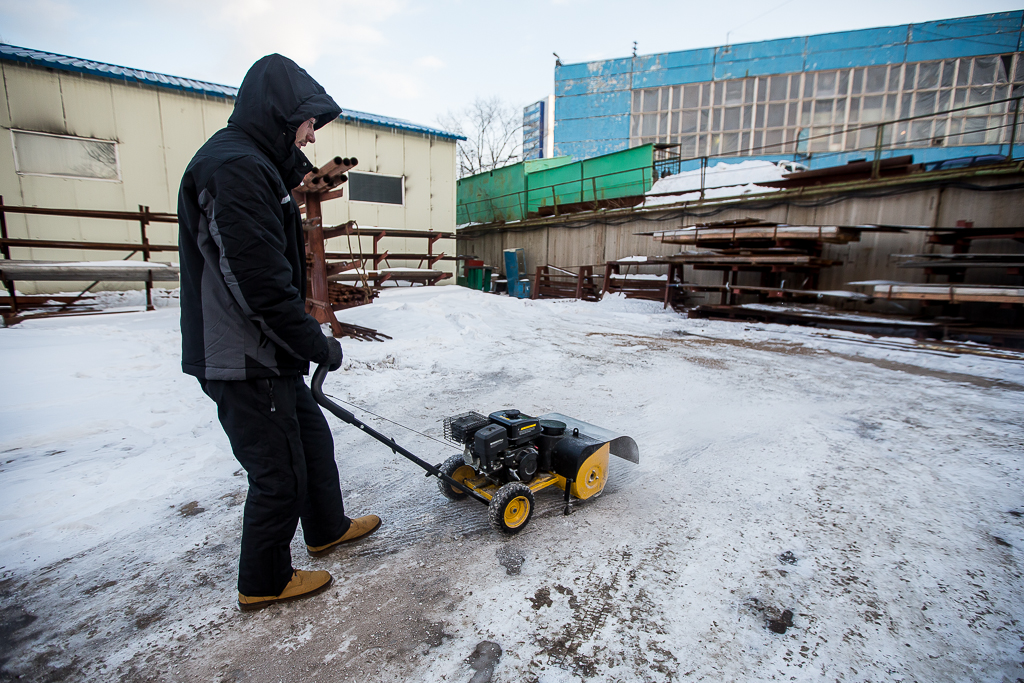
361 526
303 585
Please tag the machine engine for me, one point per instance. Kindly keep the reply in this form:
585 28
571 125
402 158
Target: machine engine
506 445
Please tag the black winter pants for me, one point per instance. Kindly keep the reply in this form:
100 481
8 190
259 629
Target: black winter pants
281 438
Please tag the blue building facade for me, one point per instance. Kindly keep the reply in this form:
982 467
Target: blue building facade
943 88
534 117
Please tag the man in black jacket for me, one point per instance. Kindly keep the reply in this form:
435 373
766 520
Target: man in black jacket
245 332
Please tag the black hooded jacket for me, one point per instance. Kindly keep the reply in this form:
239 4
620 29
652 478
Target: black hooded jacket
240 242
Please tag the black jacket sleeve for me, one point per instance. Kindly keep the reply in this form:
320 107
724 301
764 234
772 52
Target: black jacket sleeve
246 220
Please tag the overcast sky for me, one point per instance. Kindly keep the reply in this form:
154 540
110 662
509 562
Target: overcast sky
417 60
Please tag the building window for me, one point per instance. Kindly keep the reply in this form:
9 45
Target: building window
376 188
64 156
833 111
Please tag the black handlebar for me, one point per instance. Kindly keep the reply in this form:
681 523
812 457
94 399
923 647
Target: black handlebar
317 387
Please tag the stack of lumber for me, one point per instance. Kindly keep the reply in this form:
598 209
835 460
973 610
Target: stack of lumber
954 294
755 230
780 292
932 262
751 259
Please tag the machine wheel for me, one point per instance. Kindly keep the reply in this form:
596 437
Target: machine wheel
511 508
456 468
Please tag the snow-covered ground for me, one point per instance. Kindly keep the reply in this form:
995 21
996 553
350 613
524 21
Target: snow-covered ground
873 488
720 180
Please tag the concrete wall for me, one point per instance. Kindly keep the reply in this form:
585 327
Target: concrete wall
605 239
593 99
157 131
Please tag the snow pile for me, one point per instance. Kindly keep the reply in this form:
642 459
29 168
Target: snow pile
720 180
870 489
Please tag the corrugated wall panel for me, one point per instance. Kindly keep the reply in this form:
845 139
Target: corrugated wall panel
158 131
868 259
91 110
442 186
34 99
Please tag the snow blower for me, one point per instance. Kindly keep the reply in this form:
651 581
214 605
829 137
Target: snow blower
508 457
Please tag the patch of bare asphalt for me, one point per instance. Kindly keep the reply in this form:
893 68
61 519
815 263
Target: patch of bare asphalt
375 623
663 343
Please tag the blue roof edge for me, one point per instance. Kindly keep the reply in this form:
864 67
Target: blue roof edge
400 124
715 48
51 60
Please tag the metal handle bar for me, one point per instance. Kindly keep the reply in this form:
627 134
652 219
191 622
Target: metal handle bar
317 387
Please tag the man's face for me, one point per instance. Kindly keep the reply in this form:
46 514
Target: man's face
305 133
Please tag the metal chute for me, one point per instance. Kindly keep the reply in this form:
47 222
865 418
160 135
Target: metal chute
619 445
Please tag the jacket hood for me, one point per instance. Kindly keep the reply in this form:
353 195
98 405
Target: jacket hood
275 97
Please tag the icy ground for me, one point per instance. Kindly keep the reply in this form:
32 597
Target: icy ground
871 488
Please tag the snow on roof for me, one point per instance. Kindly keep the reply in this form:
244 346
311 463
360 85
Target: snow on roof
720 180
52 60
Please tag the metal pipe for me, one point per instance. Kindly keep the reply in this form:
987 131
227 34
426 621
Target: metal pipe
876 164
90 213
1013 130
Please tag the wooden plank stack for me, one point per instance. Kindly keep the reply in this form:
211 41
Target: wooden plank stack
954 294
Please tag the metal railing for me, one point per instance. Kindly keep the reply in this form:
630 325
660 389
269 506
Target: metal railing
144 217
597 187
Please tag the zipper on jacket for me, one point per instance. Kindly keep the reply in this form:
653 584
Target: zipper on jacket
270 383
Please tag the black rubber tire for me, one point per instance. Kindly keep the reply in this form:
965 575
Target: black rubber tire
449 468
508 499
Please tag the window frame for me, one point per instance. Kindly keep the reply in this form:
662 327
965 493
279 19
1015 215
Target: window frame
17 161
849 127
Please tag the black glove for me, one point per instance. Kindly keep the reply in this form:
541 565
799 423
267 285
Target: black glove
334 354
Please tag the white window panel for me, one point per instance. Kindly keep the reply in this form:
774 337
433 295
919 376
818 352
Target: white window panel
65 156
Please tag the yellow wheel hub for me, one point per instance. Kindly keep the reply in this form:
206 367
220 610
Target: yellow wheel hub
516 512
463 473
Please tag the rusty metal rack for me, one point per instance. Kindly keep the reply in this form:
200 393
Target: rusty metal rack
322 297
14 307
551 282
351 266
758 246
667 289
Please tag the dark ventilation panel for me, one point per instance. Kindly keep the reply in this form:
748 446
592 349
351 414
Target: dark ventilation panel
379 189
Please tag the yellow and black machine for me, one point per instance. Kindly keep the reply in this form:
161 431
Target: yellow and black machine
508 457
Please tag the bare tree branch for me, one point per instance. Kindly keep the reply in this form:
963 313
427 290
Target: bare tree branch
493 131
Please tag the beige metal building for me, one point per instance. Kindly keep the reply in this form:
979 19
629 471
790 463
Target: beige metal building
86 135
